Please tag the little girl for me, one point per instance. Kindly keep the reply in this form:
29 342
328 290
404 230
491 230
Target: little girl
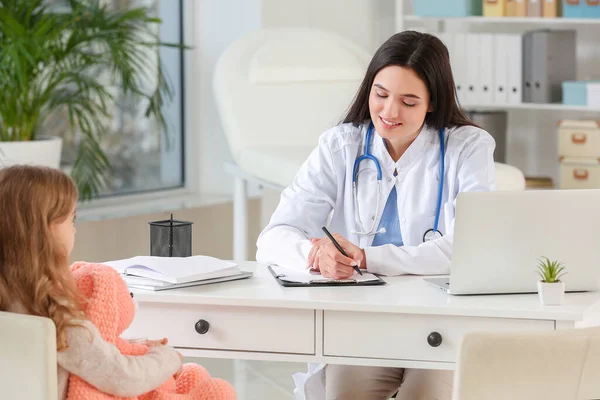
37 235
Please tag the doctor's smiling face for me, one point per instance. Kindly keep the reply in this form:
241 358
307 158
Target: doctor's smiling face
408 83
398 104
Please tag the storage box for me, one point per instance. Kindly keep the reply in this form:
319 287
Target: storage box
591 9
574 93
534 8
516 8
520 8
580 174
593 94
447 8
579 138
551 8
573 8
511 8
581 8
495 8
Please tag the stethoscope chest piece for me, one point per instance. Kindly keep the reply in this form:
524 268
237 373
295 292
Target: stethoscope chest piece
431 234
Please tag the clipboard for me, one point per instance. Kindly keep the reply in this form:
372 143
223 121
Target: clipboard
320 283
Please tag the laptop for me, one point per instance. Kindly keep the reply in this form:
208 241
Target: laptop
499 237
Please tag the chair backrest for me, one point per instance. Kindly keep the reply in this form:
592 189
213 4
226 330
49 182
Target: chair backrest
27 357
285 86
561 365
509 178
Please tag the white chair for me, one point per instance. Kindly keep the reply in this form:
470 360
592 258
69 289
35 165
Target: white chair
509 178
27 357
559 365
276 91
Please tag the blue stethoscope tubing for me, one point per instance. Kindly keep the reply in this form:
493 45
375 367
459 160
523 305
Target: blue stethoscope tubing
367 156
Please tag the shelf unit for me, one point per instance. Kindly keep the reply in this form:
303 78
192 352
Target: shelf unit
402 19
508 20
533 137
532 106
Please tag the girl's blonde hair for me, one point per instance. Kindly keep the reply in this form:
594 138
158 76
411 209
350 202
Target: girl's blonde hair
34 266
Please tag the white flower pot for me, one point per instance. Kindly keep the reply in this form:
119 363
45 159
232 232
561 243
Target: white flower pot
43 151
551 294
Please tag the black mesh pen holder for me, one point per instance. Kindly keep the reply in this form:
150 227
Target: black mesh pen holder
171 238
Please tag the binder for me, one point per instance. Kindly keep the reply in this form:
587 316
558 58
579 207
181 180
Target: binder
472 69
515 68
534 8
487 61
521 8
552 61
460 60
511 8
551 8
495 8
448 40
280 278
501 57
527 67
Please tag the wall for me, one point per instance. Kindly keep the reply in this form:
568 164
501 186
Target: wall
368 23
215 25
532 144
212 26
119 238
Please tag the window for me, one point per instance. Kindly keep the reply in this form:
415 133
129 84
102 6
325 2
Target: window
141 156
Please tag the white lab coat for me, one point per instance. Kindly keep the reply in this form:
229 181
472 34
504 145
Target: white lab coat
324 184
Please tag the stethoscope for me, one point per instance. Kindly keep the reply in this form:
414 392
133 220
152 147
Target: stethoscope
430 234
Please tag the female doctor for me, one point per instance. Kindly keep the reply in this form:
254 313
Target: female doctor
388 177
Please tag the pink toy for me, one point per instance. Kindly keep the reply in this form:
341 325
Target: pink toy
111 309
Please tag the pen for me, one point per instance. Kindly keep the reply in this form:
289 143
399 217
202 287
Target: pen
337 245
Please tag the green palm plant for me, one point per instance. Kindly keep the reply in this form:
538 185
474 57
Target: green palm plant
550 271
77 61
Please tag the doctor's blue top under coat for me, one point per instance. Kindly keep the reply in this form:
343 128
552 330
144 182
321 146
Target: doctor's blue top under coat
390 221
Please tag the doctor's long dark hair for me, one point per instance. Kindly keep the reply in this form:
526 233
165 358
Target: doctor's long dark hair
428 57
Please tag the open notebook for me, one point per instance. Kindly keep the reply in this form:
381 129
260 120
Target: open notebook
156 273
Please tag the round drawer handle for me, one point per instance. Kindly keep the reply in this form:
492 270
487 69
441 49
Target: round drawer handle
434 339
202 326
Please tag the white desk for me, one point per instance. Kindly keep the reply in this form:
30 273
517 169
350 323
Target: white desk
387 325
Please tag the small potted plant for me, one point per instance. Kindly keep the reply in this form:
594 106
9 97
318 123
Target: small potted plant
550 288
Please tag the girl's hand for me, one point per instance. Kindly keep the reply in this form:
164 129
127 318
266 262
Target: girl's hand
152 343
181 368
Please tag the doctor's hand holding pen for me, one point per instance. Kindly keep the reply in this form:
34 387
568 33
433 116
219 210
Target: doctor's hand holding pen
326 258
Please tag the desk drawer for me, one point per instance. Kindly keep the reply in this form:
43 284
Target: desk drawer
230 328
405 336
